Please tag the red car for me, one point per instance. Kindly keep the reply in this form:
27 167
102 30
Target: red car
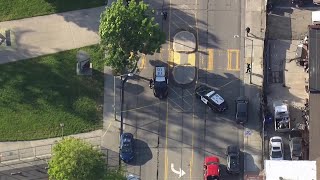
211 168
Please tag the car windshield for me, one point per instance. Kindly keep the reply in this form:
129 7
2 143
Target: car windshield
209 163
212 178
276 140
296 148
276 154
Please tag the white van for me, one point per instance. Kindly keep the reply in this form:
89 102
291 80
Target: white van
316 17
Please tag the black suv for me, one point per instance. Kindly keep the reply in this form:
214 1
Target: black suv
211 98
233 159
242 110
159 83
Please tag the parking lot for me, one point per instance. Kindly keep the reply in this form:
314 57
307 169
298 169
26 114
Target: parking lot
286 80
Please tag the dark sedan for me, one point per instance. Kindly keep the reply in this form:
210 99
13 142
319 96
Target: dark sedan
233 160
296 148
126 147
295 144
211 98
242 110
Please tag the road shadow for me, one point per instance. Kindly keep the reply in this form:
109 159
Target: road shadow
143 153
249 160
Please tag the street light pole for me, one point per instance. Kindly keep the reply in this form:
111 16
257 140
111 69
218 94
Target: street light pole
123 81
250 58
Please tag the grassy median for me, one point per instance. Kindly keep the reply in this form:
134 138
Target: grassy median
38 94
18 9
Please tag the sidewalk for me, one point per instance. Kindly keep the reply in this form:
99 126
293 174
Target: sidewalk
255 18
43 35
49 34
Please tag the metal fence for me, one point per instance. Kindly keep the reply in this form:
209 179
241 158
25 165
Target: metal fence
32 162
37 152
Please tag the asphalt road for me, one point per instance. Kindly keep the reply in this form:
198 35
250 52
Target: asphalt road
180 131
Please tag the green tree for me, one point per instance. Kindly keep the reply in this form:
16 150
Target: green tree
74 159
126 31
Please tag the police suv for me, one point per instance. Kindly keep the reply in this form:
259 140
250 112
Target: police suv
160 82
211 98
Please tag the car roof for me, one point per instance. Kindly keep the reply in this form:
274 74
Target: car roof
160 71
276 138
296 140
241 107
212 169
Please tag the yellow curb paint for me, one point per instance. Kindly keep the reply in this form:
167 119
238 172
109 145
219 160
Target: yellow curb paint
143 61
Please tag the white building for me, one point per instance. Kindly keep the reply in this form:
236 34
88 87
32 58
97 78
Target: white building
290 170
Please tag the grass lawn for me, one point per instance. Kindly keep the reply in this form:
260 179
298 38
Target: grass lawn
38 94
17 9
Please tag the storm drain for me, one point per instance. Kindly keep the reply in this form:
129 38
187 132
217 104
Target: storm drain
275 77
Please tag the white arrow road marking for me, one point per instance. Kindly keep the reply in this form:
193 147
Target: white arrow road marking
180 172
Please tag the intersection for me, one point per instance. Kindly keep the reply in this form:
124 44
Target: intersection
174 135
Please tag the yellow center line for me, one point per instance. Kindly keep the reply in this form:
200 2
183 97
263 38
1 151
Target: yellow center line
171 54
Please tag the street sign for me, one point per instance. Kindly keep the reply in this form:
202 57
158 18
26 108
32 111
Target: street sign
247 132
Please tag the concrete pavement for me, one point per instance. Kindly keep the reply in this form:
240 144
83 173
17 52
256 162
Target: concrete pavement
255 18
49 34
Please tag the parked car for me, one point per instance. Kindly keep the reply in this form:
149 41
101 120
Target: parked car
160 82
242 110
211 168
211 98
276 148
126 147
233 159
295 144
295 148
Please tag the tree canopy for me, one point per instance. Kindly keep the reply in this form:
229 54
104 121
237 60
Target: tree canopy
74 159
126 31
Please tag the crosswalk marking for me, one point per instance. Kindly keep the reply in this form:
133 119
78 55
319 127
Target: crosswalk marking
170 60
231 66
210 60
192 59
176 58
